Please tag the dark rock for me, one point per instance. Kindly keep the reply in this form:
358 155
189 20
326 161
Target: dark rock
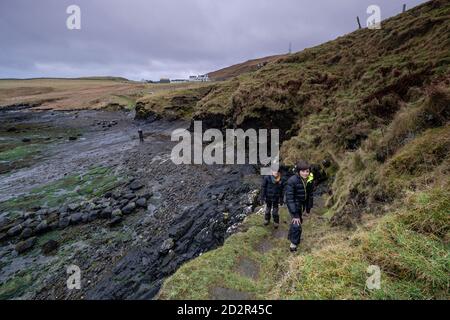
141 202
106 213
29 215
26 140
129 196
179 229
25 245
4 221
148 195
64 222
26 233
28 222
42 227
73 138
85 217
108 195
53 225
76 218
14 231
195 230
64 215
93 215
53 211
116 213
167 245
90 206
52 218
129 208
49 247
115 221
3 236
116 195
73 206
136 185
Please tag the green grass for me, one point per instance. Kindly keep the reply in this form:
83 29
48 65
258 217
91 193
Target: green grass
408 245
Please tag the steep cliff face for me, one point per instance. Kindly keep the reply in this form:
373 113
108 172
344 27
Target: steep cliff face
356 102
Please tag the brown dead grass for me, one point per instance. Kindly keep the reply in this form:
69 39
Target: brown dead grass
76 94
241 68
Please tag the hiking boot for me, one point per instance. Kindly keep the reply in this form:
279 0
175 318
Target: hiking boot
266 222
275 225
293 248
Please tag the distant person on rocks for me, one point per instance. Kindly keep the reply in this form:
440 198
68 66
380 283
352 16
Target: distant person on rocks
299 198
141 135
272 193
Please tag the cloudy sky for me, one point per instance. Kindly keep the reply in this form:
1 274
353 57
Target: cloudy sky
166 38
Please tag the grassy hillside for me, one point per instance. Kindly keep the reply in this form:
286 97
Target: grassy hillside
375 105
241 68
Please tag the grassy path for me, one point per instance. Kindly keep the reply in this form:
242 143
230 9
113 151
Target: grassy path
252 262
409 245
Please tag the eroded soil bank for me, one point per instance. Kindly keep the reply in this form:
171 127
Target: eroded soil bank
78 188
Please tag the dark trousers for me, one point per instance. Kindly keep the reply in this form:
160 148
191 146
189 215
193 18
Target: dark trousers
295 231
272 206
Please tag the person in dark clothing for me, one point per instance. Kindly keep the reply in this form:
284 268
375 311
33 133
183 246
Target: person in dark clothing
272 193
299 198
141 135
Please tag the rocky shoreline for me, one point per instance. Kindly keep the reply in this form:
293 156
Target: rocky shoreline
137 231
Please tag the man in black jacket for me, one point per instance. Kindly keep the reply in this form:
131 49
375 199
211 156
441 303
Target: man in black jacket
272 193
299 198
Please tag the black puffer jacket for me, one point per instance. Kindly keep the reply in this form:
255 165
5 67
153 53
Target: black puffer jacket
299 193
271 190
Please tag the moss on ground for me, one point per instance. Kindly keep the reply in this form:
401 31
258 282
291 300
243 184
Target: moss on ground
22 144
16 286
92 183
19 153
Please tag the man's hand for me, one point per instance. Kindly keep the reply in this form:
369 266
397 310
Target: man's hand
296 221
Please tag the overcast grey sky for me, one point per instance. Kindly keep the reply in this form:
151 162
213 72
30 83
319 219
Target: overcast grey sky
166 38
